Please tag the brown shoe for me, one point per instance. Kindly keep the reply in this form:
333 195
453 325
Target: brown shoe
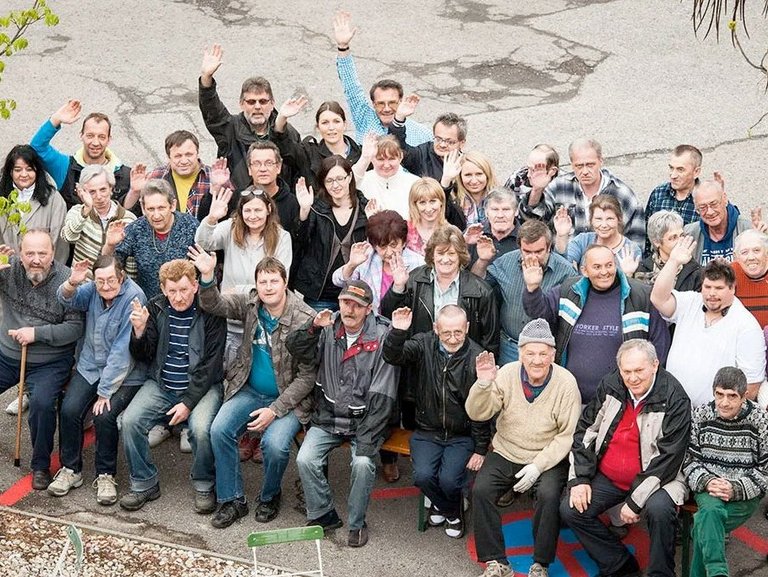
244 448
390 472
257 456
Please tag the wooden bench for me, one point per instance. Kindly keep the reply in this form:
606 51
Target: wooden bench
313 533
397 442
686 518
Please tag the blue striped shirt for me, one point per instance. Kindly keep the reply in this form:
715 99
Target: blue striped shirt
176 366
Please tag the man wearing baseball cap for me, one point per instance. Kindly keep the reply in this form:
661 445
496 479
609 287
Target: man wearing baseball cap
355 396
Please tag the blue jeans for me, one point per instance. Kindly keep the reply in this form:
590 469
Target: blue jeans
310 461
276 442
322 305
78 400
508 351
43 383
149 408
439 469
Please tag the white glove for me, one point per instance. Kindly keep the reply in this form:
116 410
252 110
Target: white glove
529 474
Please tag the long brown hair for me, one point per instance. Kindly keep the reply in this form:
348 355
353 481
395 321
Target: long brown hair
272 228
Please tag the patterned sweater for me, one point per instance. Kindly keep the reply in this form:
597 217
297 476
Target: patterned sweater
735 450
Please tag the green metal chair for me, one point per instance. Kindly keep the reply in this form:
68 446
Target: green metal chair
276 536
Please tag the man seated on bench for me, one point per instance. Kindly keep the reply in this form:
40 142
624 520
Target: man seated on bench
538 405
726 467
446 442
355 396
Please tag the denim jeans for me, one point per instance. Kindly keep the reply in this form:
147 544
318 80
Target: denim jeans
276 442
43 383
508 351
149 408
440 469
310 461
78 400
322 305
605 548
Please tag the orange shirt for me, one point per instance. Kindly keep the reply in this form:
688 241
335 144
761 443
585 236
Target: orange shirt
753 293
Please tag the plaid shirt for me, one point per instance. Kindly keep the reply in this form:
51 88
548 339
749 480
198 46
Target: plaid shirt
363 114
663 198
565 190
521 186
200 188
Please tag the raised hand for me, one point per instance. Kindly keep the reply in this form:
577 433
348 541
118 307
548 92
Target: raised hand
219 205
212 59
628 261
717 176
563 222
343 31
402 318
370 146
293 106
85 197
407 106
323 319
359 253
451 167
533 274
219 174
204 261
486 250
473 233
138 177
67 114
79 272
682 252
115 233
304 195
485 366
6 252
371 208
539 176
756 215
139 316
399 272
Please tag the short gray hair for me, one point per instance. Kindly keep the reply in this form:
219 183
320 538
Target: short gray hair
707 184
158 186
91 171
659 224
751 233
637 345
502 194
582 143
452 311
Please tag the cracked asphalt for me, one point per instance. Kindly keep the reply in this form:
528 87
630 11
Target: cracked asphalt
630 74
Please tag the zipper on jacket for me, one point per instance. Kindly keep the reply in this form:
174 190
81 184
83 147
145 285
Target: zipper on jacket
445 424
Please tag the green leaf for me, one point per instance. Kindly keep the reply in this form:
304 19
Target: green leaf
5 114
20 44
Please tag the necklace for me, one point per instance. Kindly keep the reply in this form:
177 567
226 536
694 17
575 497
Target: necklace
163 248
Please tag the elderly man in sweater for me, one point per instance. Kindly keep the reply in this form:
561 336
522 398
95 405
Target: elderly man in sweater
546 397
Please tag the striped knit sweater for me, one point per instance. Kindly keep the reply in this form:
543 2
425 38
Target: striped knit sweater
736 450
88 236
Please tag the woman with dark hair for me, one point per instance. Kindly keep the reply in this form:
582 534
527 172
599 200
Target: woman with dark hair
252 233
304 158
23 172
330 223
372 260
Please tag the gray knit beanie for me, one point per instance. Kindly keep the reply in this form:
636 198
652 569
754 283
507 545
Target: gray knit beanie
536 331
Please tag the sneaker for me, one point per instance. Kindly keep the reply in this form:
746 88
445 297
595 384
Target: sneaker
205 502
496 569
13 406
135 500
229 512
358 537
64 480
158 434
184 445
435 517
41 479
538 570
454 528
266 511
328 521
106 489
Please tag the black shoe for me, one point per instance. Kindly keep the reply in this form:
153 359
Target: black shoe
434 517
454 527
229 512
506 499
358 537
266 511
135 500
41 479
328 521
629 569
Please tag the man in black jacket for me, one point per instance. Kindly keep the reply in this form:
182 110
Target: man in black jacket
446 442
184 348
628 449
234 133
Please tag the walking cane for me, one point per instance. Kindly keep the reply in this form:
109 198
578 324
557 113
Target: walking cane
22 377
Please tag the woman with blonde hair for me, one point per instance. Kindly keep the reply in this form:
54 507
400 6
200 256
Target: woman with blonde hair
474 181
426 212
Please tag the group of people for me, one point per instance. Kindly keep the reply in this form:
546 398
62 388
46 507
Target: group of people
344 286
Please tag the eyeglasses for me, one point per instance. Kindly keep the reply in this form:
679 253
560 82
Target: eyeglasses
446 141
265 164
111 281
452 334
714 205
259 101
337 180
254 192
386 104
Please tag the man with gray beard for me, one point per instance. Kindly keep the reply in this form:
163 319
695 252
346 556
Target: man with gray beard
32 316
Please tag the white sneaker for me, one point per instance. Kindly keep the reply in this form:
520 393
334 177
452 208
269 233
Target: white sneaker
496 569
13 406
106 489
184 445
158 434
538 570
64 480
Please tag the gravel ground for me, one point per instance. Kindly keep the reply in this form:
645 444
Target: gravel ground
30 547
